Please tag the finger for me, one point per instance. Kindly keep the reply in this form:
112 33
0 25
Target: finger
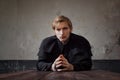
64 65
64 69
58 59
61 58
59 65
61 55
64 62
59 62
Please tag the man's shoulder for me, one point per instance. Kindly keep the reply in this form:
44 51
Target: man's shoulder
77 37
49 39
80 41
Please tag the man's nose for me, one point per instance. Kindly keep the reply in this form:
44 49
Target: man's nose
61 32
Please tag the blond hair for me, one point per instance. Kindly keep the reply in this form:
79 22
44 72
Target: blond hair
60 19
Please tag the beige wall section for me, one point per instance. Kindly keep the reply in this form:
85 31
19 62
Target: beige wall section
24 24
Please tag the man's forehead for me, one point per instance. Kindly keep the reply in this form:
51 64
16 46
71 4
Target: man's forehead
62 24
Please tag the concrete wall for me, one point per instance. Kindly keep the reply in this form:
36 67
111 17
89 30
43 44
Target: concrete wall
24 24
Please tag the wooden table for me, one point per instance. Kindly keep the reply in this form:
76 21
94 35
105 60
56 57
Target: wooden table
79 75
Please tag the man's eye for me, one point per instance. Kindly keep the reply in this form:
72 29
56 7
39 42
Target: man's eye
65 28
58 29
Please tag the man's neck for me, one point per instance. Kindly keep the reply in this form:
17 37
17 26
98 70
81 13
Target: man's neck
65 42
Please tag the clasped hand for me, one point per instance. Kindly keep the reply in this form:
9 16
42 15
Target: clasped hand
61 64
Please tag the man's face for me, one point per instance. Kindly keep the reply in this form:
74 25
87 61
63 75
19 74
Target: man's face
62 31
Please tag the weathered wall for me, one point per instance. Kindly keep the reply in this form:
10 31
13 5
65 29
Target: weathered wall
24 23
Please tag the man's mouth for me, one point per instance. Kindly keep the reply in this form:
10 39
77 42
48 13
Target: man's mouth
63 37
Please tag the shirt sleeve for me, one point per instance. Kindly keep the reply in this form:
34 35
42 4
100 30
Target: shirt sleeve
81 55
43 64
84 62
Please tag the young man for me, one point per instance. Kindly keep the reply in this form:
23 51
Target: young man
64 51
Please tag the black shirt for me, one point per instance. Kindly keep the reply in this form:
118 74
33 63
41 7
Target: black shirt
77 51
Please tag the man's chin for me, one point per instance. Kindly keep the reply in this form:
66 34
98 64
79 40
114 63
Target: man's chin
63 41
